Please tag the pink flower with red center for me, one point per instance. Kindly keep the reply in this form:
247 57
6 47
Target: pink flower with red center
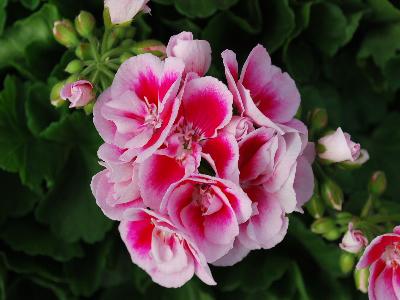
209 210
382 256
262 92
167 254
193 126
115 188
275 172
142 105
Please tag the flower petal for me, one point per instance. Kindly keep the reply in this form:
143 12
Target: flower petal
207 93
223 152
156 174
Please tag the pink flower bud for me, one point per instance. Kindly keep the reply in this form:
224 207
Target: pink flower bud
354 240
338 147
196 54
79 93
122 11
239 127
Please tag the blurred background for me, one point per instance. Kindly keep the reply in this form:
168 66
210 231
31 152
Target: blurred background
54 241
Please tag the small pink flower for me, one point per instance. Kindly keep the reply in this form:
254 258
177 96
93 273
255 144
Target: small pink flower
195 53
353 240
209 210
262 92
338 147
140 108
239 127
382 255
168 255
79 93
122 11
116 188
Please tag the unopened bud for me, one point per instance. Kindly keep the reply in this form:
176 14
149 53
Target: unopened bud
343 218
74 66
346 262
55 98
65 33
322 225
361 279
332 194
150 46
84 23
315 206
377 183
332 235
318 118
83 51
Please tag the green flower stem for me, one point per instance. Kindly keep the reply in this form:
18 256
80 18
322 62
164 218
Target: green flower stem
88 70
106 72
367 207
104 41
384 218
112 66
93 48
114 53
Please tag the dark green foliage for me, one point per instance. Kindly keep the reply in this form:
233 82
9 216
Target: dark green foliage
54 241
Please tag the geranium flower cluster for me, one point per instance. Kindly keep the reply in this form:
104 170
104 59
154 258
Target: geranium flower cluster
196 170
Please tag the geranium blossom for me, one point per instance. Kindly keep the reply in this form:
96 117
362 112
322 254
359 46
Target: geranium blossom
142 106
158 247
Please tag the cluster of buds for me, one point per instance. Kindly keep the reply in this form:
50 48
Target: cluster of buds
336 150
98 56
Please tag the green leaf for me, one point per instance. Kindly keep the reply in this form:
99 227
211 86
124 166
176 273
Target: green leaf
36 266
28 236
17 200
381 44
202 8
3 15
30 4
326 255
279 23
19 150
39 112
270 268
85 274
383 11
392 72
70 209
36 29
330 29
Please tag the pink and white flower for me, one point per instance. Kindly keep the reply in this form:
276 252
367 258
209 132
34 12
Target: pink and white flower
354 240
79 93
168 255
209 210
382 256
338 146
193 126
116 187
122 11
262 92
142 106
195 53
